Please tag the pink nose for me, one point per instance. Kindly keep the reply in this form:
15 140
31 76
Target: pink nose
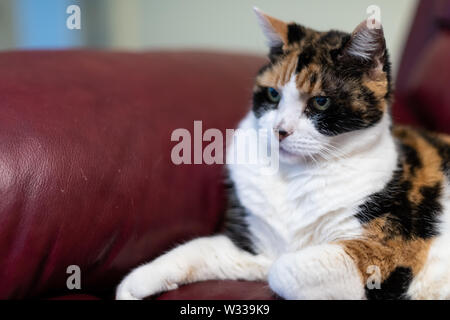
282 134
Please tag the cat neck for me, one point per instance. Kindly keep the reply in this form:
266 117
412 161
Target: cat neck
373 148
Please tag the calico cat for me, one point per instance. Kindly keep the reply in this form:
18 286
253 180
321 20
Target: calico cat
359 209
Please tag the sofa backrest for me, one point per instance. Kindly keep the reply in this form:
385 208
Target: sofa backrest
423 81
86 176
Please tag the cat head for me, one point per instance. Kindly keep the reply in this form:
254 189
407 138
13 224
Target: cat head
323 93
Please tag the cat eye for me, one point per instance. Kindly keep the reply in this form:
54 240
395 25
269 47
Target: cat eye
321 103
273 95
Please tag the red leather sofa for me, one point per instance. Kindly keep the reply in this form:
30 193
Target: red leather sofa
85 172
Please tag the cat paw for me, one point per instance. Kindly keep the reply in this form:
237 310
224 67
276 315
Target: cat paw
143 282
281 277
319 272
124 293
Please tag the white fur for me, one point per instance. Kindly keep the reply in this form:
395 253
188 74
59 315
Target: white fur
296 275
200 259
433 281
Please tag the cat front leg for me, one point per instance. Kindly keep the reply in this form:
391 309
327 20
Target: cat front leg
318 272
205 258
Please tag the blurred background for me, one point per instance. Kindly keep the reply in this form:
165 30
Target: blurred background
208 24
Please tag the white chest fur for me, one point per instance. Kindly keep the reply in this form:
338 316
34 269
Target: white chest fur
299 206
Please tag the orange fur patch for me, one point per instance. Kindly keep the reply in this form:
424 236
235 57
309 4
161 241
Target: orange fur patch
382 248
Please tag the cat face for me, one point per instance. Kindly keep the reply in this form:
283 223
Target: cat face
321 90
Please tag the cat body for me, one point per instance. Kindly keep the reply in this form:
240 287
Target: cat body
325 203
358 209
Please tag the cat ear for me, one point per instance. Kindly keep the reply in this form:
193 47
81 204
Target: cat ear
367 42
276 31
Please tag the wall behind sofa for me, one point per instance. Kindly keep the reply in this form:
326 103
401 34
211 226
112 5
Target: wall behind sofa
207 24
231 24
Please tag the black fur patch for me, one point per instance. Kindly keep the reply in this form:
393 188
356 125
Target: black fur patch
336 53
412 157
352 67
236 228
264 68
404 217
295 33
261 103
371 102
340 118
275 53
428 209
313 79
305 58
394 287
332 38
443 150
387 70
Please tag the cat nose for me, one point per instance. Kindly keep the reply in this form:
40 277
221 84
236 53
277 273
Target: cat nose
282 134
